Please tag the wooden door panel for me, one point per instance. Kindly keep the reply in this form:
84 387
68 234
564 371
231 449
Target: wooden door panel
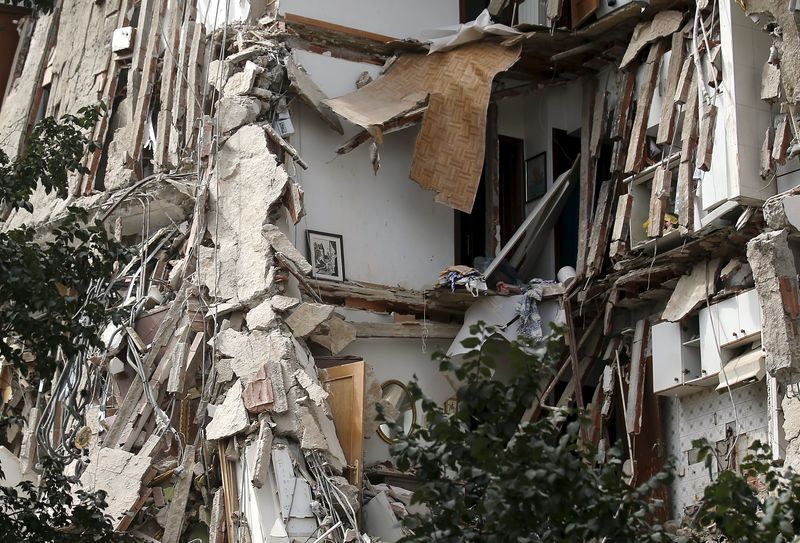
345 386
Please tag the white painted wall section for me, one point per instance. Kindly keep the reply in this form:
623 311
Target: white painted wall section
394 233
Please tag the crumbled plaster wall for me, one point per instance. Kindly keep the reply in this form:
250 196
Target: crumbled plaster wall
706 415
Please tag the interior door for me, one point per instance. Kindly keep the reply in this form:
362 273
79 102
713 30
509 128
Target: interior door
345 386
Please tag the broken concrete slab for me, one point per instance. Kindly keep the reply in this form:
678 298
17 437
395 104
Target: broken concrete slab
315 392
340 334
262 317
248 184
120 474
230 417
283 303
263 453
307 317
783 211
281 244
692 290
241 83
249 351
775 276
662 25
236 111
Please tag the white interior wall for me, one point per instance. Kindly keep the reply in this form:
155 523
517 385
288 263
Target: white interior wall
532 117
705 415
391 18
393 231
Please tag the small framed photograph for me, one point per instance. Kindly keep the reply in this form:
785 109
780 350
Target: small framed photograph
536 177
326 255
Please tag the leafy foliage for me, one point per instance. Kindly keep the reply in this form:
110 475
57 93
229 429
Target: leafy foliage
46 307
49 312
53 150
51 514
489 477
760 503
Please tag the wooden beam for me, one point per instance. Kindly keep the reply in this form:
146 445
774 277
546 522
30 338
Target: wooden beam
587 176
406 121
145 86
637 147
601 228
308 21
666 126
169 81
619 234
599 121
408 330
619 124
659 198
686 166
705 147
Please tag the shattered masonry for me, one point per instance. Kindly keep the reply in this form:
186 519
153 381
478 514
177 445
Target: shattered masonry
628 172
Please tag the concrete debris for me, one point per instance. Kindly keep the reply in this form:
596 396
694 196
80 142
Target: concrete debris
307 317
248 184
120 474
775 276
257 394
280 243
230 417
236 111
263 452
249 351
315 392
283 303
340 334
262 316
692 290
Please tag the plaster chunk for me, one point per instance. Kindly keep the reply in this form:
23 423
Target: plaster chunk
283 303
262 317
281 244
120 474
783 212
230 417
242 82
307 317
315 392
249 183
248 352
775 277
236 111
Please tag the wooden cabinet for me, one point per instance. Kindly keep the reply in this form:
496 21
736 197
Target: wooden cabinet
676 357
690 355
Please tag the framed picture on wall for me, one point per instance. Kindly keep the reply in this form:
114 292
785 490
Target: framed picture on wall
326 255
535 176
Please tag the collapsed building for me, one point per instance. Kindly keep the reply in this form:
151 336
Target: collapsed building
625 169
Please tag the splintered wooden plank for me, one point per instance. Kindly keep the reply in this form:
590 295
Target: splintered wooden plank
587 176
197 53
705 147
686 195
169 80
659 197
619 234
633 412
176 510
601 228
685 81
619 123
637 147
182 87
666 126
146 84
767 165
783 136
599 121
141 47
617 157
